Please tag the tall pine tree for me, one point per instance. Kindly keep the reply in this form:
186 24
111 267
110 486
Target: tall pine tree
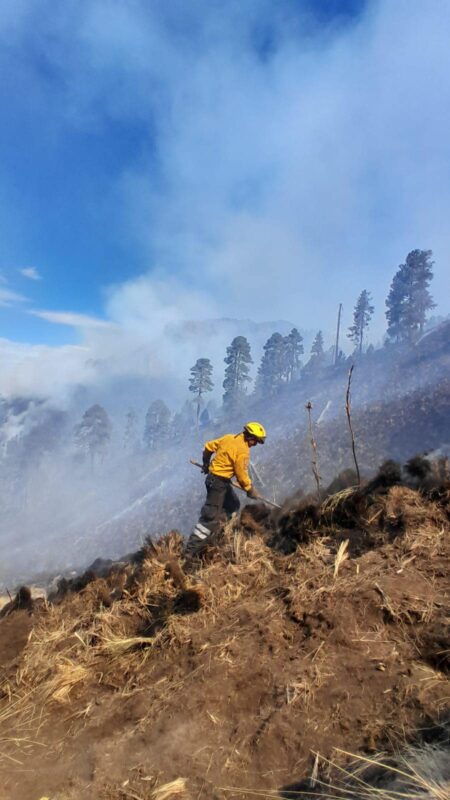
394 306
317 345
317 357
200 381
409 297
293 349
237 371
272 367
362 315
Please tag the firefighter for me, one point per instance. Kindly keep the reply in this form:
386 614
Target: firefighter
231 459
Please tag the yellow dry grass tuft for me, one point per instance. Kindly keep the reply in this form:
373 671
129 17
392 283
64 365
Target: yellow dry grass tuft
411 508
68 675
341 556
171 790
332 503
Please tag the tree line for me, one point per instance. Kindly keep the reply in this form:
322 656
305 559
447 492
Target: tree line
407 305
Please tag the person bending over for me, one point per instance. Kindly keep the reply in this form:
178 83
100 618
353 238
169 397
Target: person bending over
231 459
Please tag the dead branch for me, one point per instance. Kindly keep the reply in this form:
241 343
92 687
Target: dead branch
349 418
314 461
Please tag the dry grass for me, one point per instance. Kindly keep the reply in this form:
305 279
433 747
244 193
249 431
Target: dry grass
341 555
118 645
85 642
332 503
417 773
171 790
68 675
68 640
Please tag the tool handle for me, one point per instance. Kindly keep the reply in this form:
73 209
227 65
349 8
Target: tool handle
236 486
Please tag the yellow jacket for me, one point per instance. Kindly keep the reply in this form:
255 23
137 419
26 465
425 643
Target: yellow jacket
232 457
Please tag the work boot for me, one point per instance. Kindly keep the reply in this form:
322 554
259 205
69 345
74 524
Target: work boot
197 541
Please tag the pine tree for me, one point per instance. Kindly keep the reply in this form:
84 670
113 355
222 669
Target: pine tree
237 371
200 381
317 346
419 263
394 304
409 298
157 424
293 349
361 318
93 433
317 357
272 367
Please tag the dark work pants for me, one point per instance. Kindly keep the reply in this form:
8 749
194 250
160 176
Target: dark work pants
220 499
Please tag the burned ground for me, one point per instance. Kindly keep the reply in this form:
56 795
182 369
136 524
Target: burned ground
318 629
396 429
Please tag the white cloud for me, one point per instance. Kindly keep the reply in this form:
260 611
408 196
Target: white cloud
140 338
41 370
8 297
31 273
70 318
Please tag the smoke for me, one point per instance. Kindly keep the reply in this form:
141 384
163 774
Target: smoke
288 162
298 176
284 164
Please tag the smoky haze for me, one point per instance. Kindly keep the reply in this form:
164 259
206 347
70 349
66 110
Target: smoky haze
288 164
60 510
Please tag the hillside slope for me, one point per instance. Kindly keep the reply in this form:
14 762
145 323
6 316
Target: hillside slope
399 429
401 406
285 642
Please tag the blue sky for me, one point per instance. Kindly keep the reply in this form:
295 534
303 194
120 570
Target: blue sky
263 159
57 179
60 212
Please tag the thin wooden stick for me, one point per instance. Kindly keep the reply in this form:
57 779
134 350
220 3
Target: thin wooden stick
348 407
314 462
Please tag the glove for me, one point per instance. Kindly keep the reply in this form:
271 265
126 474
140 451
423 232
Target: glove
253 494
205 468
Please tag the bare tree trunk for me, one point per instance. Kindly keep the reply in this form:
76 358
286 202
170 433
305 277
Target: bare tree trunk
199 399
314 463
349 418
336 350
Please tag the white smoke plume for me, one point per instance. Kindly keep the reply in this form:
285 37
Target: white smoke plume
290 162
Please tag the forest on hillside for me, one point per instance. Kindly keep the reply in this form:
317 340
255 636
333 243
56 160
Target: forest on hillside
76 481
